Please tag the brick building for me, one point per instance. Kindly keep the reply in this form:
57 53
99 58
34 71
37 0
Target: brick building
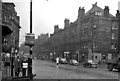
10 27
11 21
41 46
93 35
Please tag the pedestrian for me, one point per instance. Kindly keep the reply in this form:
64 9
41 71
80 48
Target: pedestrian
17 67
57 62
24 68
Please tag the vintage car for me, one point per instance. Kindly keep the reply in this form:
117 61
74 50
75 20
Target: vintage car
63 61
73 62
90 64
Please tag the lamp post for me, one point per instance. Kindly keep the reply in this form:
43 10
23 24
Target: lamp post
30 58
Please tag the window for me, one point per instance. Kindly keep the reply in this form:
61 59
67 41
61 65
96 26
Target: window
95 57
115 47
114 28
112 46
113 36
5 19
98 13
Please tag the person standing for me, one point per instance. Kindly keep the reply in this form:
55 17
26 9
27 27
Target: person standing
57 62
24 68
17 67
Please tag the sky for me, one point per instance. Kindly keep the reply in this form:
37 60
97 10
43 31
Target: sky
47 13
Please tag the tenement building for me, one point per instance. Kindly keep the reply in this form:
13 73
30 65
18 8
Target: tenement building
10 26
93 35
41 46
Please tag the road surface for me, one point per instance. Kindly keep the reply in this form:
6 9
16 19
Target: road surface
48 70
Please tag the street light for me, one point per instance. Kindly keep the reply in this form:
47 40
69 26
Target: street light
31 43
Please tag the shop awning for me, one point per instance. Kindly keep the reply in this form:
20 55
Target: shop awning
6 30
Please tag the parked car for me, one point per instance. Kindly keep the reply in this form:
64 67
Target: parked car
63 61
73 62
90 64
42 57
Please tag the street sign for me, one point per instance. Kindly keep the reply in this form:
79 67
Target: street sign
29 39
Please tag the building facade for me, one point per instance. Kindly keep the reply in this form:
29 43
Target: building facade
93 35
41 46
10 27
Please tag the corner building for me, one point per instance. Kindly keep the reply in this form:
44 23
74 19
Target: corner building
9 27
93 35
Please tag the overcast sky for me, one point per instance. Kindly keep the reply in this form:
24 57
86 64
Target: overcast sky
47 13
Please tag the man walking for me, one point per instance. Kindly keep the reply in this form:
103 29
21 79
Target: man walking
57 61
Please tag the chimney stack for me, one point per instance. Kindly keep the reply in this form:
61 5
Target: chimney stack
106 11
81 12
66 23
56 28
117 14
